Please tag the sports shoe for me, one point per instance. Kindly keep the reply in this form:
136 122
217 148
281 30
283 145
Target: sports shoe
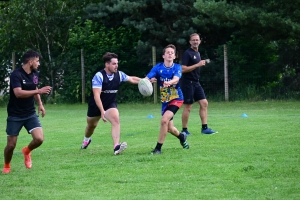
27 159
208 131
184 144
5 170
186 132
119 148
85 144
155 151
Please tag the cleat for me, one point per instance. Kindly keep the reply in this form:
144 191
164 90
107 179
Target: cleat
208 131
155 151
120 148
85 144
27 159
186 132
184 144
6 170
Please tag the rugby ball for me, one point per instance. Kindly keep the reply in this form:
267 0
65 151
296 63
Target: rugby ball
145 87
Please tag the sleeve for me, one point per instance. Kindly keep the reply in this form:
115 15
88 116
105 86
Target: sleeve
15 81
152 72
178 71
123 77
185 58
97 80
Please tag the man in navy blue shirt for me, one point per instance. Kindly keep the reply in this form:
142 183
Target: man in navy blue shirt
191 88
21 109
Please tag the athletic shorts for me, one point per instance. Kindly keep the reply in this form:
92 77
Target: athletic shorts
93 110
192 91
172 106
15 124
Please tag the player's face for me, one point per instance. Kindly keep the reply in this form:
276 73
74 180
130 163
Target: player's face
34 64
195 41
112 66
169 54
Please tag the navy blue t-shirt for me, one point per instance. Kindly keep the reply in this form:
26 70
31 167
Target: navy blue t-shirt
22 107
189 58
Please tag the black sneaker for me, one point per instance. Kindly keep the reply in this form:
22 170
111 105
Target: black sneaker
184 144
85 144
156 151
120 148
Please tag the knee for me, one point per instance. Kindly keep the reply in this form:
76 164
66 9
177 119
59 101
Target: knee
39 140
115 120
188 108
164 122
91 126
10 146
204 103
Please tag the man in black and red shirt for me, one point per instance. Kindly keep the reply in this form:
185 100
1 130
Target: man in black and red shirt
21 109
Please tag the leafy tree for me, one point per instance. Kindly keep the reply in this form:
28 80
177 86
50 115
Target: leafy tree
42 25
95 39
161 22
274 24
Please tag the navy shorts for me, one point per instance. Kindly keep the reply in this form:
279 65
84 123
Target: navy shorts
93 110
15 124
192 91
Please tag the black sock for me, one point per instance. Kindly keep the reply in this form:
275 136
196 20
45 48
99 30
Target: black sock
181 137
184 129
158 146
204 126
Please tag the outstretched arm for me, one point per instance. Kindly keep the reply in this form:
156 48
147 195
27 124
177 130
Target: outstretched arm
133 79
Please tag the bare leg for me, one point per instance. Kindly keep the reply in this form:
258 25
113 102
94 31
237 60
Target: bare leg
37 138
203 110
112 115
172 129
92 123
164 124
185 115
9 149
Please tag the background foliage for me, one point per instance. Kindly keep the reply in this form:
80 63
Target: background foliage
263 40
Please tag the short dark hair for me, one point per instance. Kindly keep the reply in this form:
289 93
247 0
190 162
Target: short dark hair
194 34
29 55
169 46
108 56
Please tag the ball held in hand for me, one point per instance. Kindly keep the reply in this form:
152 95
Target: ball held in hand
145 87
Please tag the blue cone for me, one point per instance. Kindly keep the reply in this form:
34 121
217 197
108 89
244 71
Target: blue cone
244 115
150 116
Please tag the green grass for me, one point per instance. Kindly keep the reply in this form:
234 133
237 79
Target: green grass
250 158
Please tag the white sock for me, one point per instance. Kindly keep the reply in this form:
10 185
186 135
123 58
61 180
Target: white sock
86 139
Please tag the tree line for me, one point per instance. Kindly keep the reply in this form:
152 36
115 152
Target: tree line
262 39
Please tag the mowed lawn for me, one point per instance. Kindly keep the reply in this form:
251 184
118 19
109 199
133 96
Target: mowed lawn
253 157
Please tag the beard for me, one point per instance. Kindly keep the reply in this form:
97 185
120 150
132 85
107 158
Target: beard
33 69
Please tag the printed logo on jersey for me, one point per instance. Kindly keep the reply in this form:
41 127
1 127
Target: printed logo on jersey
35 80
110 91
160 71
194 57
24 82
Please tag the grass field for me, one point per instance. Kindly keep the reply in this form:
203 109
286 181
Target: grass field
254 157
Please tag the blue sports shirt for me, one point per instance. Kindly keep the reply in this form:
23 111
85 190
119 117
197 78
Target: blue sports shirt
162 74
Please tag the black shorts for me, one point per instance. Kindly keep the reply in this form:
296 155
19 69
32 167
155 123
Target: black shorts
93 110
15 124
192 91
